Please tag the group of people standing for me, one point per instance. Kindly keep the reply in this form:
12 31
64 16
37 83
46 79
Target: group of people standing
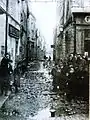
47 61
6 75
71 74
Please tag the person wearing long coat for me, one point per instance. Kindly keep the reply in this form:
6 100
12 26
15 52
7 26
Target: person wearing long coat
4 75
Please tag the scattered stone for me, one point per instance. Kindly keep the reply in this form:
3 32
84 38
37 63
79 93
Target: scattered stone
11 114
18 97
35 93
21 78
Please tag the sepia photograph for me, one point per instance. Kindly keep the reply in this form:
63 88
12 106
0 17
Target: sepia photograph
44 59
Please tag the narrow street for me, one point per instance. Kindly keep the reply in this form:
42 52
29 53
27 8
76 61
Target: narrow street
36 97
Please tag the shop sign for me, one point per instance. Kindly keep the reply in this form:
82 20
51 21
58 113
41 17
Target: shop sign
13 32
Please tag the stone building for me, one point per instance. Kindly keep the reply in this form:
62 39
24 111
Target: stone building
9 28
40 45
14 15
31 36
73 27
23 31
17 30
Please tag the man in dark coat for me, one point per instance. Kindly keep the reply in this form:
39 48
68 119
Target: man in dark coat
4 74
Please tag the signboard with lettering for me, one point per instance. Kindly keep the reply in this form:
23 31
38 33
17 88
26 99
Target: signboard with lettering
13 32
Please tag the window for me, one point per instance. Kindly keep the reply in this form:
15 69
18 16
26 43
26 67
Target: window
87 33
2 50
21 17
18 1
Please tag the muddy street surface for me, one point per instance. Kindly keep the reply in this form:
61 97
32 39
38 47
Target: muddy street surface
36 98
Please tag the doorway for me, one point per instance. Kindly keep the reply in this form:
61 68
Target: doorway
16 48
87 47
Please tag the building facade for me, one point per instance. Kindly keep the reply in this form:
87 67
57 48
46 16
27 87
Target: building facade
73 28
24 14
18 31
9 28
32 36
40 46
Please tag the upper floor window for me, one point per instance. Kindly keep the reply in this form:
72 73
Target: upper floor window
31 23
32 31
21 17
87 33
18 1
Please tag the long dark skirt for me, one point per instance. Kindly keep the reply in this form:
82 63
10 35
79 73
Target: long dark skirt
4 79
4 84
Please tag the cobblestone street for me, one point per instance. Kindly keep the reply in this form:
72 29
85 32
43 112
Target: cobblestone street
36 98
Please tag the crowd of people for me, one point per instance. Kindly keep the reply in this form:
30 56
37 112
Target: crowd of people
72 75
47 63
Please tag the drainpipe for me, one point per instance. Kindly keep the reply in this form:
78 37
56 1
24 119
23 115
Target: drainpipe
6 29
